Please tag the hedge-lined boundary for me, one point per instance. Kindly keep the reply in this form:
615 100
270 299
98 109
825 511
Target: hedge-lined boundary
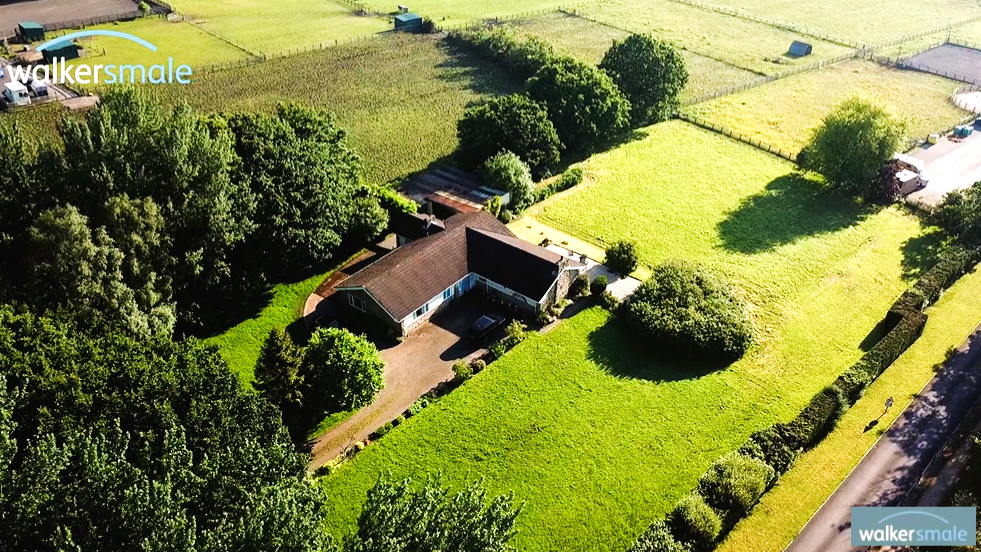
780 444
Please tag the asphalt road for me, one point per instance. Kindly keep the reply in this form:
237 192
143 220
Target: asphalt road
896 462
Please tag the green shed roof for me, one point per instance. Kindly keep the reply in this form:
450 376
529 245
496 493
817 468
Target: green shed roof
30 25
406 17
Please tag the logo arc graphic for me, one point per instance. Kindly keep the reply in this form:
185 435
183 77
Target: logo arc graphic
82 34
914 513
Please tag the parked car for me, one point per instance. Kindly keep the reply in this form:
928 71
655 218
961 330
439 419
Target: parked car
325 321
484 326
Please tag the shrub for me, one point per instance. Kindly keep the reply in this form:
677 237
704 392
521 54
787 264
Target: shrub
392 201
509 123
516 333
651 74
735 483
462 372
419 406
769 446
383 430
598 286
477 366
585 106
496 351
494 206
341 371
852 382
144 7
569 179
426 27
579 285
506 216
811 424
622 256
885 352
609 302
522 57
508 173
658 538
694 522
685 311
544 318
960 215
953 264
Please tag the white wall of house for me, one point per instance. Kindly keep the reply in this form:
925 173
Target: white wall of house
456 289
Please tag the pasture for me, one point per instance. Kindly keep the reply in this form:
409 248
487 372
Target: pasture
599 437
863 22
739 42
589 41
274 27
783 113
399 96
56 11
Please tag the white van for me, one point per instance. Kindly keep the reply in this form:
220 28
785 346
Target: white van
16 93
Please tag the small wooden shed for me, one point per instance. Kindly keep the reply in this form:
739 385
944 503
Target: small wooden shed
30 31
63 50
407 21
800 49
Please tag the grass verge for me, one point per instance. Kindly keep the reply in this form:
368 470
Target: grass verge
783 113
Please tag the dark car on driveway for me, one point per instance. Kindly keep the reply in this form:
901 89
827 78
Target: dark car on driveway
484 326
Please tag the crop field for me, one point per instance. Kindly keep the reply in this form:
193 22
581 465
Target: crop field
783 113
784 511
56 11
589 41
864 22
398 96
599 437
180 40
740 42
39 122
272 27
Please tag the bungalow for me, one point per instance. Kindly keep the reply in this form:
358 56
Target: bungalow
469 251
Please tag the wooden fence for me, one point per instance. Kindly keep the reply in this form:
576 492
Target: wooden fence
789 156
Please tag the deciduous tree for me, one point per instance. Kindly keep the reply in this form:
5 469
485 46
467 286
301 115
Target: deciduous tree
651 74
341 370
514 123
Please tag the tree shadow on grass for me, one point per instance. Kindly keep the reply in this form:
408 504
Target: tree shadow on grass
921 252
613 348
463 66
789 209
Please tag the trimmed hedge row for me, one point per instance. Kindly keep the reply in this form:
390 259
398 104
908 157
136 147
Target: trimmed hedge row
735 483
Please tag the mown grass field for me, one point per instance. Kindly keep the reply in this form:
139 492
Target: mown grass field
399 97
180 40
589 41
864 22
738 41
785 510
783 113
599 437
272 27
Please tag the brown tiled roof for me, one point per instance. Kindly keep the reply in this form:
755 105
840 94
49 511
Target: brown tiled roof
406 278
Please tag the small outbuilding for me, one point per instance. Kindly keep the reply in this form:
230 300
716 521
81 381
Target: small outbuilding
407 21
800 49
62 50
30 31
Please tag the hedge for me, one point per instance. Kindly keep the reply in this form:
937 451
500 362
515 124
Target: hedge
658 538
522 57
694 522
770 447
735 483
954 263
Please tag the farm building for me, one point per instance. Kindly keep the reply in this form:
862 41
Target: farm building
447 191
30 31
471 251
62 50
407 21
800 49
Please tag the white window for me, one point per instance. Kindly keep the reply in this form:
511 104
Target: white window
422 310
448 293
356 302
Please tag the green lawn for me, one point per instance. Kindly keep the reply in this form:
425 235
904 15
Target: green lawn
738 41
399 97
783 113
784 511
180 40
590 41
599 438
274 26
865 22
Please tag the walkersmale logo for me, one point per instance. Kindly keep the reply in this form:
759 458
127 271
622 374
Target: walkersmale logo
914 526
61 72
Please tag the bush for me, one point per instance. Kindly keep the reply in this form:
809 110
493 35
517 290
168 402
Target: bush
811 424
144 7
516 333
544 318
651 74
428 26
392 201
383 430
694 522
598 286
341 371
569 179
735 483
509 123
585 106
419 406
477 366
960 215
496 351
579 285
522 57
494 206
506 216
508 173
685 311
622 256
609 302
658 538
462 372
953 264
852 382
769 446
885 352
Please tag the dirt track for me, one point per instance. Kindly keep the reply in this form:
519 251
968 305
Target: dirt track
55 11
